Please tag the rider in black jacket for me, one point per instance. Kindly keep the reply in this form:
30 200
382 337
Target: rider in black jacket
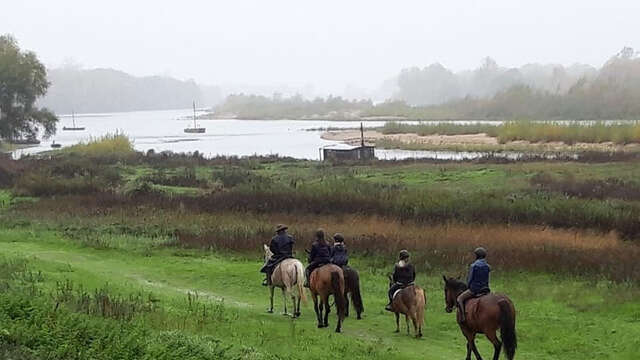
282 248
404 274
319 255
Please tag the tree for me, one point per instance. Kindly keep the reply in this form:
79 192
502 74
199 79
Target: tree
23 79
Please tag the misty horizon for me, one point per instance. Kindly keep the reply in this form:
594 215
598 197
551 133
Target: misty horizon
328 47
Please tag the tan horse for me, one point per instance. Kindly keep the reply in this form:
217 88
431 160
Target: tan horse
484 315
325 281
411 302
287 275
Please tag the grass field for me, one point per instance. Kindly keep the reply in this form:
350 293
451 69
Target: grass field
558 317
156 256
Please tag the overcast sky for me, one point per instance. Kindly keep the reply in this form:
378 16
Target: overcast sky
329 44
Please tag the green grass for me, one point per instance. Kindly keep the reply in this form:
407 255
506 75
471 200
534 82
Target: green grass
558 318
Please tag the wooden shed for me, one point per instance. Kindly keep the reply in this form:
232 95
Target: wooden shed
344 152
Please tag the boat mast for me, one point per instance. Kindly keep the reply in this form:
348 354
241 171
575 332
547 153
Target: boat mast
194 115
73 118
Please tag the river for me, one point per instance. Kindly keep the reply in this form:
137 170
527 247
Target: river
164 130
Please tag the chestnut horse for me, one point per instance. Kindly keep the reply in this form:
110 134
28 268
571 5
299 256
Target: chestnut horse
287 275
325 281
352 286
484 315
411 302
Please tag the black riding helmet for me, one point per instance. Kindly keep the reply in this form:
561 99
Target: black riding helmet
338 237
404 255
480 252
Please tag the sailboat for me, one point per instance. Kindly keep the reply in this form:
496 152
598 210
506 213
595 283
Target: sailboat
195 129
74 128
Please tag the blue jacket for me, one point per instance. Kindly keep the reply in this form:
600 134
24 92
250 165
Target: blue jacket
478 280
339 255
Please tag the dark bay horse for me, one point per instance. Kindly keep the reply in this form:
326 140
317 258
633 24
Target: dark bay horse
484 315
325 281
352 286
411 302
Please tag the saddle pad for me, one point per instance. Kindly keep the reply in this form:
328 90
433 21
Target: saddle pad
396 293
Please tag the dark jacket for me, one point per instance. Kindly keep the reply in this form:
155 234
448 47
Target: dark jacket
404 274
282 246
478 280
339 255
320 253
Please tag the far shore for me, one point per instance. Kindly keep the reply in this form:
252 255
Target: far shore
471 142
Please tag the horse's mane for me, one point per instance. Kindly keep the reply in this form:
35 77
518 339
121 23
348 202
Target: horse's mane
456 284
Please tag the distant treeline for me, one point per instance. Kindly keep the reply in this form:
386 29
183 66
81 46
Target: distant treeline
107 90
296 107
612 92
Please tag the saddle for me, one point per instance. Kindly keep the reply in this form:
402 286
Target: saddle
481 293
402 288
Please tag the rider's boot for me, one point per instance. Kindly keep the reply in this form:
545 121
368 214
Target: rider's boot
306 277
266 281
388 307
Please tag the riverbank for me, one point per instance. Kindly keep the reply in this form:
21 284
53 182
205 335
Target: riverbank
467 142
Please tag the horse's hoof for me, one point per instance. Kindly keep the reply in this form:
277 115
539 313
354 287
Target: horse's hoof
296 315
338 330
359 317
270 311
320 326
397 331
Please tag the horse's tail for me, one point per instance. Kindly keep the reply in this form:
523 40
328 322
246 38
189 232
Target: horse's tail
421 306
355 291
508 328
300 280
338 294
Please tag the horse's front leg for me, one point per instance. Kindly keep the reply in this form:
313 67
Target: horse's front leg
406 320
475 350
270 311
397 322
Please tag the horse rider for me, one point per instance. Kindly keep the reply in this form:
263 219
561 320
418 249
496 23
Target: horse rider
477 281
404 274
319 255
339 254
282 248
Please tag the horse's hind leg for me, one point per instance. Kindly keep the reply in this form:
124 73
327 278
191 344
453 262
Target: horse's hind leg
296 304
317 309
346 305
406 320
416 330
327 310
284 301
497 344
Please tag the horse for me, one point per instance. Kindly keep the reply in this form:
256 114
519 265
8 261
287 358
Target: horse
484 315
411 302
352 286
324 281
287 275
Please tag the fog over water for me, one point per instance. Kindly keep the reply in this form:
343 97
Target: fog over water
316 47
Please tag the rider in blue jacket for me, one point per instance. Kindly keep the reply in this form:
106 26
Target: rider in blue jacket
477 281
339 255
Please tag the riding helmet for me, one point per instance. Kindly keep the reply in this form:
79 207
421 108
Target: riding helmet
338 237
404 254
480 252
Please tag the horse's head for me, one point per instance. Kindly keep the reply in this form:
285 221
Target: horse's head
452 288
267 253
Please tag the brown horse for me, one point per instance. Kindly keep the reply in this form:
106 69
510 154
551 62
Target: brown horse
411 302
484 315
352 286
325 281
